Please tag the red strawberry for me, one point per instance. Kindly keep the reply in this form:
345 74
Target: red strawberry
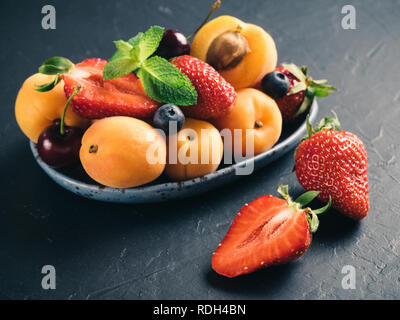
302 89
335 163
98 98
267 231
216 96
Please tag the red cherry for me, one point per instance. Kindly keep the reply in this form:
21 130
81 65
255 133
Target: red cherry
60 150
58 145
173 44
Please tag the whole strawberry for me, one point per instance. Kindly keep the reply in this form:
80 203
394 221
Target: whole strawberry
215 96
335 163
299 92
267 231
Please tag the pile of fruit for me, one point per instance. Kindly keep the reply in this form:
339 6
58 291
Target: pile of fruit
110 115
104 114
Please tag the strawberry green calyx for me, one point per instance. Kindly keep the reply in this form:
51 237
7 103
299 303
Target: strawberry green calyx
301 202
312 88
327 123
54 66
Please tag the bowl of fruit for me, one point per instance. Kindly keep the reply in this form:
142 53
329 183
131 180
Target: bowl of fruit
164 118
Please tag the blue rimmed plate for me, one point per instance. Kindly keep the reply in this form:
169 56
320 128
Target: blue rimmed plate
77 181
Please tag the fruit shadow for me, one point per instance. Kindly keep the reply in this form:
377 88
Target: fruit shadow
334 227
265 281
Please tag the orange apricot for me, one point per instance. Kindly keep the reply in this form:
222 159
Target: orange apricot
35 111
197 151
258 117
123 152
242 52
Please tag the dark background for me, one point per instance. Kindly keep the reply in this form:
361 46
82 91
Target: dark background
163 251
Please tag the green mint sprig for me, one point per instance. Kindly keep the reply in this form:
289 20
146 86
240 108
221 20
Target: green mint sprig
162 81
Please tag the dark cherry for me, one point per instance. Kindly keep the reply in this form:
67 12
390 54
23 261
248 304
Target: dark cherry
173 44
59 150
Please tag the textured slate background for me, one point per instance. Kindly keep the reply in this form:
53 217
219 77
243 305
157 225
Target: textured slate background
163 251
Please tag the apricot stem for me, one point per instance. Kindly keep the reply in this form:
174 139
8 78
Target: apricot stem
74 93
215 6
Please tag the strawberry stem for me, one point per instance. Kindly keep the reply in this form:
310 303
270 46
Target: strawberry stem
301 201
324 208
74 93
307 197
214 7
327 123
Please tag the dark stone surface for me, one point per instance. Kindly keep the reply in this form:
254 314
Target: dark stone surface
163 251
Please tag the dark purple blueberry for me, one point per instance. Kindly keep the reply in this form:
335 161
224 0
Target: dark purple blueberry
275 84
169 118
59 150
173 44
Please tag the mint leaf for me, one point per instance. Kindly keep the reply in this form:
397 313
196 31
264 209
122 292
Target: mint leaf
133 42
139 47
123 50
119 68
136 39
123 46
164 82
149 42
117 55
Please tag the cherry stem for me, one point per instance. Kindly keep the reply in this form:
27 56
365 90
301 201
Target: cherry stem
215 6
74 93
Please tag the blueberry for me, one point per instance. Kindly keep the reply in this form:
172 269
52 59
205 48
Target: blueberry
166 114
275 84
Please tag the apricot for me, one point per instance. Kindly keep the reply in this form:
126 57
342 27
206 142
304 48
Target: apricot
197 151
242 52
35 111
123 152
258 116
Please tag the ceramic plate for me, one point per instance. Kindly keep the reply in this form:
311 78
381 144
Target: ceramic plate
77 181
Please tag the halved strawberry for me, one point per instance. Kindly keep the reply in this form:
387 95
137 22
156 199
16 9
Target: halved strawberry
267 231
99 98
